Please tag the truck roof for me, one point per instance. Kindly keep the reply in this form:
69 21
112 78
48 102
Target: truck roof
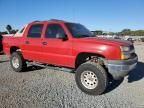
51 20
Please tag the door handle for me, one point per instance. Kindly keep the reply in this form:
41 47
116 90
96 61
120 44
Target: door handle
44 43
27 42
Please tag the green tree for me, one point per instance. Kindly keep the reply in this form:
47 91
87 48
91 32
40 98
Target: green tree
97 32
111 33
126 32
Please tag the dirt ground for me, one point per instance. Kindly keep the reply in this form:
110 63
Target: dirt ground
53 88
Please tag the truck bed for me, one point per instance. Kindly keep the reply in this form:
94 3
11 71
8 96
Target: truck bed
8 41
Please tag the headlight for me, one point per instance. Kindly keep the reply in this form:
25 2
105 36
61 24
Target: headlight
125 52
125 48
125 56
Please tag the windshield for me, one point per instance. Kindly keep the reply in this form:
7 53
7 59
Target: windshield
78 30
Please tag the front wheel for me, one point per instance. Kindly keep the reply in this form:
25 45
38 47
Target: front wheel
17 62
91 78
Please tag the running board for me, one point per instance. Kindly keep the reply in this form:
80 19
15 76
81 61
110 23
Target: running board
50 67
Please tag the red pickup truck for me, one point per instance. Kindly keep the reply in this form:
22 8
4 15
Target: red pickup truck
71 45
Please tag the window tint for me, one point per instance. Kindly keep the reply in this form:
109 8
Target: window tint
35 31
78 30
53 31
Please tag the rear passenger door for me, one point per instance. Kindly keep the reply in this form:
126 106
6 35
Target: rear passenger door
32 43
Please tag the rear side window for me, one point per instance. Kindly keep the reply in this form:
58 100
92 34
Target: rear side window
35 31
22 30
53 30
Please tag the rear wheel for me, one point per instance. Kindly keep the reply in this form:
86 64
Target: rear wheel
91 78
17 62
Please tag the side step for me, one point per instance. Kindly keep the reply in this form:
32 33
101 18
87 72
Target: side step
50 67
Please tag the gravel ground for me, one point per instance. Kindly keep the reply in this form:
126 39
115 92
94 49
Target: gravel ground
51 88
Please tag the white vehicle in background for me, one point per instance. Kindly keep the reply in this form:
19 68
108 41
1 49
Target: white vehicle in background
110 36
8 35
126 37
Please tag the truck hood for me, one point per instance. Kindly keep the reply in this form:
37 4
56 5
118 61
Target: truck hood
106 41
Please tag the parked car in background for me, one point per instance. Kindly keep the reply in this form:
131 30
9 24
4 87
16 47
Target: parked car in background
131 40
117 37
142 39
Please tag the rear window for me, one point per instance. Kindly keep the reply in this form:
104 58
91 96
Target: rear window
21 31
35 31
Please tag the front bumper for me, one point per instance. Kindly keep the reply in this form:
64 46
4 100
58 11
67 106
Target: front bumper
120 68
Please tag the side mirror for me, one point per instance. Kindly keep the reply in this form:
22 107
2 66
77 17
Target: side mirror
62 36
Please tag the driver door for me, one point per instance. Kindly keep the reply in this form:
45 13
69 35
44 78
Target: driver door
55 50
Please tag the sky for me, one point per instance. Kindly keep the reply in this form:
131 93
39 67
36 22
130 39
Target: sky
106 15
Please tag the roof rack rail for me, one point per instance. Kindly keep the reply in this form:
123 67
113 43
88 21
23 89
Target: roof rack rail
55 20
36 21
48 20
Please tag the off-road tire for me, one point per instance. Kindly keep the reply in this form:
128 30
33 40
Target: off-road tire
100 73
22 63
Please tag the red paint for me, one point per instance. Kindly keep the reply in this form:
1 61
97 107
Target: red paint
59 52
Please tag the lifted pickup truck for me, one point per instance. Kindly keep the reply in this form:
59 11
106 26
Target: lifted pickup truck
71 45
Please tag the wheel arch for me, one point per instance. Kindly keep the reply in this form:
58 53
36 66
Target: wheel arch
84 55
14 49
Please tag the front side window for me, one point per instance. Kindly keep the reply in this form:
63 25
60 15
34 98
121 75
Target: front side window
53 31
78 30
35 31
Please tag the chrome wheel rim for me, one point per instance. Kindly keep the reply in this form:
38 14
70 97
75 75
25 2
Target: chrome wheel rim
15 62
89 79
